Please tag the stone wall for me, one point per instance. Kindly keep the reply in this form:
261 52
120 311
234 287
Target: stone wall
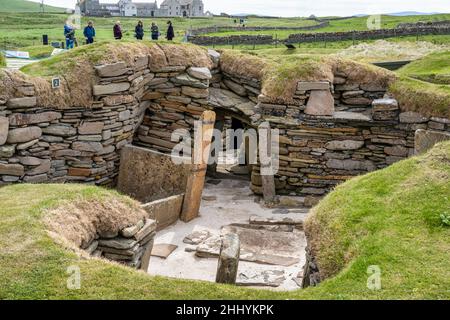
231 40
77 144
338 131
330 130
199 36
370 34
216 29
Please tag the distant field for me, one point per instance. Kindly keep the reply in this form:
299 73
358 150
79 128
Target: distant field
350 24
24 29
26 6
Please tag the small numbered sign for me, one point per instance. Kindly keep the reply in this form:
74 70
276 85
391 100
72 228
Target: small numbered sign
56 83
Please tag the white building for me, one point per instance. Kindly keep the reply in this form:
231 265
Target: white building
127 8
184 8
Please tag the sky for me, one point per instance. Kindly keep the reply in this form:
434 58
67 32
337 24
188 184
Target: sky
295 8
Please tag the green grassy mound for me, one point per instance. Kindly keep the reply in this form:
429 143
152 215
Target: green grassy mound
38 52
434 68
34 266
424 85
26 6
393 218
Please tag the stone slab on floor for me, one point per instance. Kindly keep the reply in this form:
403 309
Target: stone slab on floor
197 237
279 220
163 250
260 246
266 278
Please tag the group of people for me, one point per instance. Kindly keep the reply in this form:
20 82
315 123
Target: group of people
89 32
139 31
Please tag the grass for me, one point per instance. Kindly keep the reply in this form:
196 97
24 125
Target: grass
350 24
388 218
424 85
2 60
26 6
424 97
23 29
434 68
65 62
38 52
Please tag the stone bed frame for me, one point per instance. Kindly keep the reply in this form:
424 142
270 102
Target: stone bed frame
329 133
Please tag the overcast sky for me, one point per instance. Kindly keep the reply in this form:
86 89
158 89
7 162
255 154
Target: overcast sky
288 8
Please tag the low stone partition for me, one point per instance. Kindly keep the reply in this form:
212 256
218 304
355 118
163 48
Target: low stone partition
147 175
156 181
370 34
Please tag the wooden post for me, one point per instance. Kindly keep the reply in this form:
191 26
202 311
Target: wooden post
265 153
228 264
196 179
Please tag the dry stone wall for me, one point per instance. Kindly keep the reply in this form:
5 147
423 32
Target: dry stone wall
330 130
215 29
231 40
370 34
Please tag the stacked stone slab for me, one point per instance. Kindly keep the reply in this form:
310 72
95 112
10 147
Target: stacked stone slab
130 246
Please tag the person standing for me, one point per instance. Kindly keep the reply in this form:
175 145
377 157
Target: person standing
170 32
154 31
89 32
139 30
69 33
117 31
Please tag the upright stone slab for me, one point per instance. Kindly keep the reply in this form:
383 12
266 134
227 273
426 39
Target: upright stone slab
320 103
426 139
227 267
265 156
196 179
